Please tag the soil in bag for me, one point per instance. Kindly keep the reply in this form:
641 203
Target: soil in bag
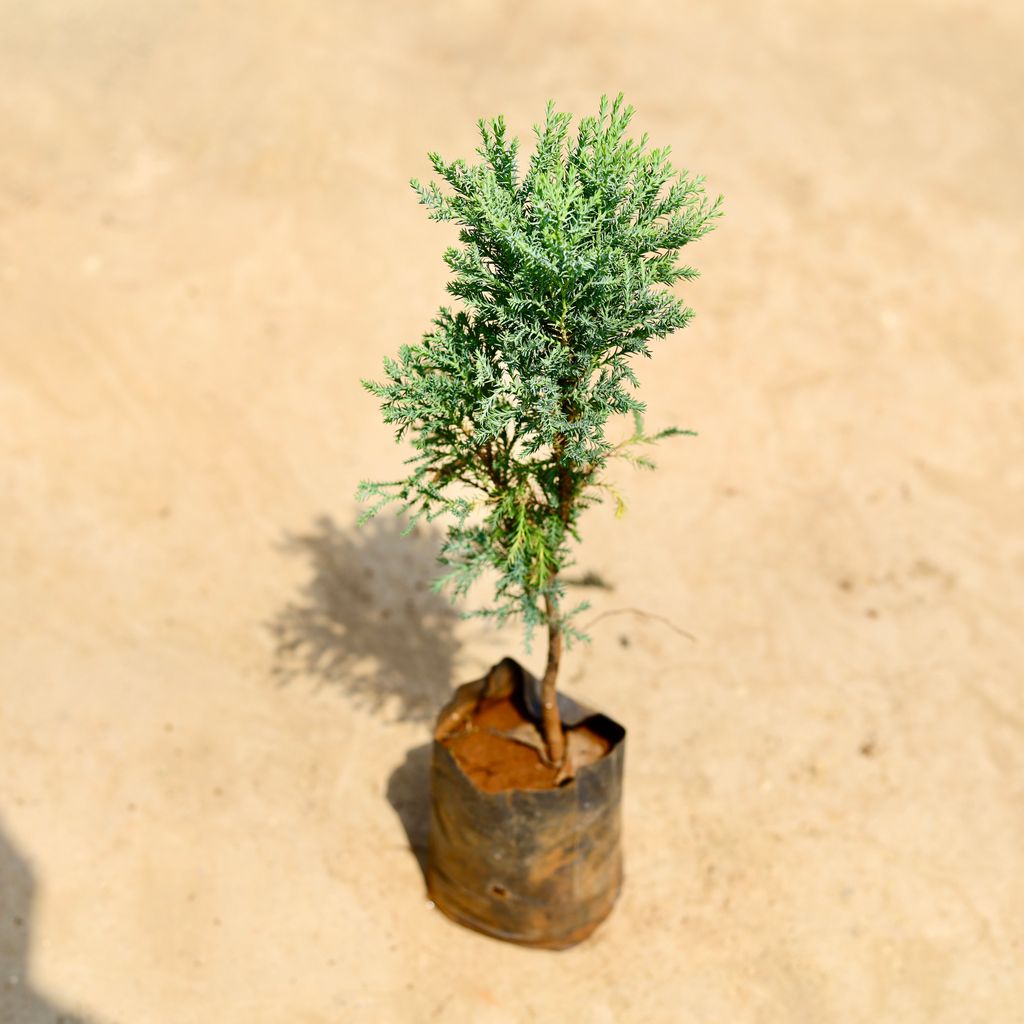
499 747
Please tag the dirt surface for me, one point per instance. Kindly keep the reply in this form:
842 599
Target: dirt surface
212 734
496 761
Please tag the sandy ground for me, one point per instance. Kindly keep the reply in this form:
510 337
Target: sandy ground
214 691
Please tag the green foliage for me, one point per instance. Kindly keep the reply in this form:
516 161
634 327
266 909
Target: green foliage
563 277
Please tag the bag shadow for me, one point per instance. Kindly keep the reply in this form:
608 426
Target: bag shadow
408 793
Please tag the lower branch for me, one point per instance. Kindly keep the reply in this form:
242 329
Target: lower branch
554 737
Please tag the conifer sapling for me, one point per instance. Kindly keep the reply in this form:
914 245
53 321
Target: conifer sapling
562 275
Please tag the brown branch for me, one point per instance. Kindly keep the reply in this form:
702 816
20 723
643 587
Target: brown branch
554 736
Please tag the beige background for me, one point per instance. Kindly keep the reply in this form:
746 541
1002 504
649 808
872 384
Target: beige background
209 681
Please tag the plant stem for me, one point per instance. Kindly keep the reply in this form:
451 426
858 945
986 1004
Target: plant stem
554 737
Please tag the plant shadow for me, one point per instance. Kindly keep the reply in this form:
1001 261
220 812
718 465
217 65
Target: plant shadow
20 1002
368 620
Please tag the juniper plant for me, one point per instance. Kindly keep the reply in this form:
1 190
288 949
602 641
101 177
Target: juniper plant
563 277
